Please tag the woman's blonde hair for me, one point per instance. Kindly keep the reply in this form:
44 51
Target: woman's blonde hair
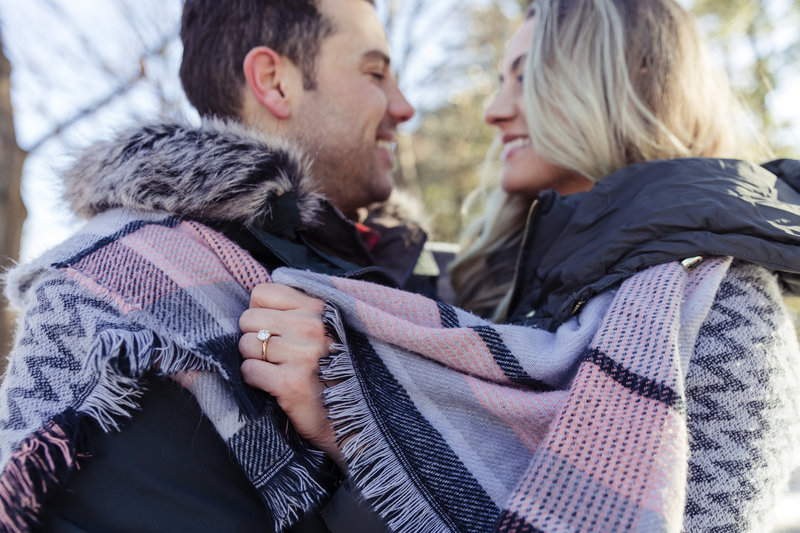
607 83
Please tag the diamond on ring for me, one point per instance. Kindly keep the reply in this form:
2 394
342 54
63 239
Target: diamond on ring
263 335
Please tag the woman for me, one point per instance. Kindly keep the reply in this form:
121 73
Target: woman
646 381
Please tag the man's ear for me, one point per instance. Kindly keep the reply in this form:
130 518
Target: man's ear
265 70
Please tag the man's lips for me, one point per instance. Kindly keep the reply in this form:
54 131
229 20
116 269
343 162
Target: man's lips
386 145
385 148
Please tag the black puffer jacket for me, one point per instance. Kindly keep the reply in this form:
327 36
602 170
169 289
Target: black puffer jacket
650 213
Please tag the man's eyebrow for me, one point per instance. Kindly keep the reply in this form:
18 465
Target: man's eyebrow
376 55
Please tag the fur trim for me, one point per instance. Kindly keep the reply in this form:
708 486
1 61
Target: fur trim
401 207
220 170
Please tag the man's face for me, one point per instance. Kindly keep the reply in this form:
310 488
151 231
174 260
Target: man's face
347 124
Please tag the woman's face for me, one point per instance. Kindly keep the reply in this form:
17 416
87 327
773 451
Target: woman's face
524 171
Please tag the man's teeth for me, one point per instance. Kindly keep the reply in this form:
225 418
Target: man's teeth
387 145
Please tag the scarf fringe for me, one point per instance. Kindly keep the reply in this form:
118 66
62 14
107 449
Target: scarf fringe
134 352
149 350
371 462
131 353
44 461
118 358
292 492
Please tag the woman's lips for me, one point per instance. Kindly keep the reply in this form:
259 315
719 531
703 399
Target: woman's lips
515 144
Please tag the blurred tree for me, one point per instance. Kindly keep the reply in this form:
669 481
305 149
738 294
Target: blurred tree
761 48
73 80
428 54
449 146
12 210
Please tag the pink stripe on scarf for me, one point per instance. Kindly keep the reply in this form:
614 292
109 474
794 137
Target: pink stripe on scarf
584 452
175 252
412 308
177 262
460 349
413 323
245 270
527 413
107 272
593 444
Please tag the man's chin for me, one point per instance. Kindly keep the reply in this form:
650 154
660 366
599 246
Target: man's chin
383 190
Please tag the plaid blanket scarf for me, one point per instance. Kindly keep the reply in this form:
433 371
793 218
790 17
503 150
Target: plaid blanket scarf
450 423
134 293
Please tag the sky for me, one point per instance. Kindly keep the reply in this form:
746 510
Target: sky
56 74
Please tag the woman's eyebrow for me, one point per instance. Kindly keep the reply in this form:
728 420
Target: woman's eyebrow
517 62
513 67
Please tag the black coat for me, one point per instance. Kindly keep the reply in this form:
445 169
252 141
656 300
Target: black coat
650 213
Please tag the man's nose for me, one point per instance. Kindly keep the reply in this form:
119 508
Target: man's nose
398 107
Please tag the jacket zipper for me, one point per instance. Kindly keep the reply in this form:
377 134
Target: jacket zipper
518 266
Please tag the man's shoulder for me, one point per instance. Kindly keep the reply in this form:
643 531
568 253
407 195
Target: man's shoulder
96 233
119 246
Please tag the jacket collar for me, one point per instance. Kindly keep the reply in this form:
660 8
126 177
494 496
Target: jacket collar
652 213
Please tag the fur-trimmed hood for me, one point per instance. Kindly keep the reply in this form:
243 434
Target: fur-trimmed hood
221 170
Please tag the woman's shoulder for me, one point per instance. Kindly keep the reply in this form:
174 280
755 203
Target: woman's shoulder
749 326
742 405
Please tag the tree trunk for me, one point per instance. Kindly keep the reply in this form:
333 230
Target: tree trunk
12 210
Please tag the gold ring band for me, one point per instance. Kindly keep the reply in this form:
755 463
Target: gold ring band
264 335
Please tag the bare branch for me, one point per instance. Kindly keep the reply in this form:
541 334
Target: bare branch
91 51
123 88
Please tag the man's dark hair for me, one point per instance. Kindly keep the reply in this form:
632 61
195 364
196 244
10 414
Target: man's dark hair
217 35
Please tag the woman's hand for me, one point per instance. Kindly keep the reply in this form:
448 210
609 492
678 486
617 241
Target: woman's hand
289 369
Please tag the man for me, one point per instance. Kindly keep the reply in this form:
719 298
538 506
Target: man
153 286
